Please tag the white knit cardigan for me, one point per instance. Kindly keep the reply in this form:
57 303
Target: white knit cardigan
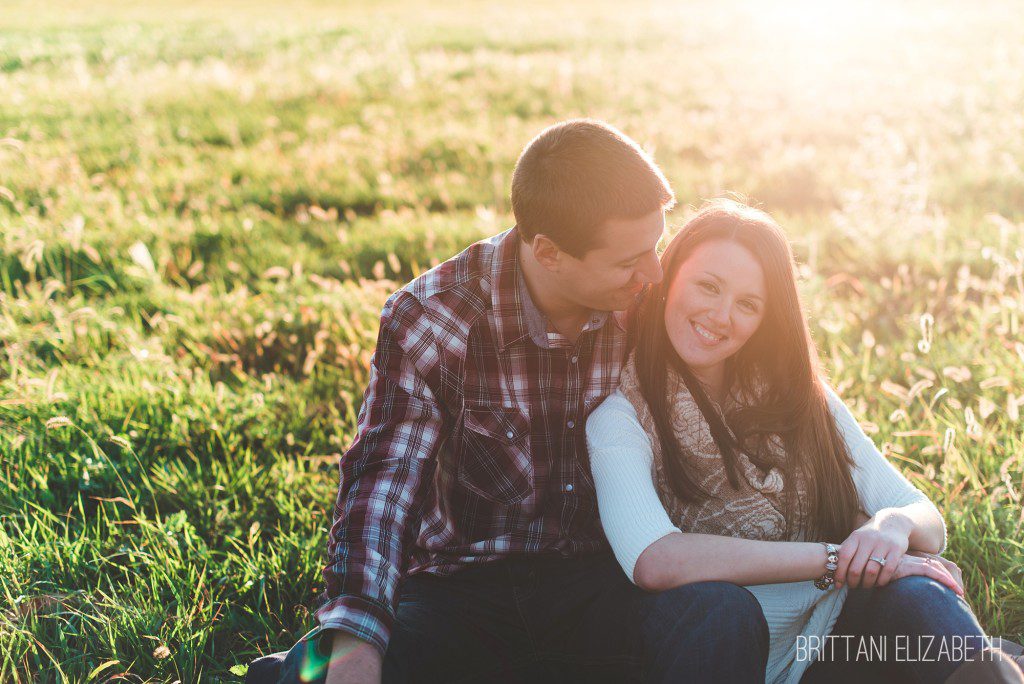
634 518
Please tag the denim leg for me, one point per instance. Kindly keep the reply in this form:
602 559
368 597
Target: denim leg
304 663
585 622
460 628
266 669
919 622
592 624
703 632
578 620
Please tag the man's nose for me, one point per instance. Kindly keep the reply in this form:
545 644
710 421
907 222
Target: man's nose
651 271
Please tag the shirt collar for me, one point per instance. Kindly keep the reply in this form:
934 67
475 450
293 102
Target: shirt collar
516 315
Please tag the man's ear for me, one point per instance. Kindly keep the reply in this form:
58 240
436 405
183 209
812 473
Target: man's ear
547 253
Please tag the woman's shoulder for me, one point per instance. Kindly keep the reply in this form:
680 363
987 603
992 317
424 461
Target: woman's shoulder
615 417
616 406
840 411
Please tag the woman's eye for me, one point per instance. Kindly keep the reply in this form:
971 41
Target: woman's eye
710 287
749 306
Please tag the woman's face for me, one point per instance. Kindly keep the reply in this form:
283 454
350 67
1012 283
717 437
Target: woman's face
714 305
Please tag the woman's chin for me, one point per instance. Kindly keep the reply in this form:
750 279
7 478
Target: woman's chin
699 358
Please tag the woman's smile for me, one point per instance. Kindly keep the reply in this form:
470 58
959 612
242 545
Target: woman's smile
709 338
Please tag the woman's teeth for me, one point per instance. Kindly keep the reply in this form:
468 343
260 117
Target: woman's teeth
707 334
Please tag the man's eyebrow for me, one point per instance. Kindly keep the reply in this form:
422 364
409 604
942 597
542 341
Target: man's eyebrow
719 279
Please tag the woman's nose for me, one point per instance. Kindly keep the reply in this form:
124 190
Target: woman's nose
719 314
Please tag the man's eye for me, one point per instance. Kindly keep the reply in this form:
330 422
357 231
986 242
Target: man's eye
631 263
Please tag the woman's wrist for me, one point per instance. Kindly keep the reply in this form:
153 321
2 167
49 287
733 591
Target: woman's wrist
894 521
814 559
827 578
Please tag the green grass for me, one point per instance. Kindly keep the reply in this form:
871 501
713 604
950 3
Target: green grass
203 209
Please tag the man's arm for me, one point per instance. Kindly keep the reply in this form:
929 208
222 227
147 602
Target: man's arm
382 476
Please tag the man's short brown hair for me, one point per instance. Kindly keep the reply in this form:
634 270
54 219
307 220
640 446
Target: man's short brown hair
578 174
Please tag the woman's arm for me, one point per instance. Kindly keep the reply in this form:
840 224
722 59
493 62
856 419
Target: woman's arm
920 522
902 517
682 558
652 551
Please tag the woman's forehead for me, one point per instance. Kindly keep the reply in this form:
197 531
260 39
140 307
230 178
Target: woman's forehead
727 261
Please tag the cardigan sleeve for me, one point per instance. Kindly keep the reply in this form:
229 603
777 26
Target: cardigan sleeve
622 460
879 484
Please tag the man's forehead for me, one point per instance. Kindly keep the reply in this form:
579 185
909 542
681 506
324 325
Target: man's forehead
625 239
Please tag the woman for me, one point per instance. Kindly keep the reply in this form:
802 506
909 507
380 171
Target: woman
724 456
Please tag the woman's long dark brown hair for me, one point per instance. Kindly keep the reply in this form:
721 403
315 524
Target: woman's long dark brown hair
778 365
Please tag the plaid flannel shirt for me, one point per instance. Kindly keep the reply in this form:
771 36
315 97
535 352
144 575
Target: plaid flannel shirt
470 442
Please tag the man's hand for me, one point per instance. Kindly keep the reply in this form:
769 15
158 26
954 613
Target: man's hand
353 661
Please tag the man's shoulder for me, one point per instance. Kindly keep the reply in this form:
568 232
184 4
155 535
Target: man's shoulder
459 286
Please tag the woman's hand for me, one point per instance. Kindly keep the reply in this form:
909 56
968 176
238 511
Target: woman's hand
950 566
929 566
886 535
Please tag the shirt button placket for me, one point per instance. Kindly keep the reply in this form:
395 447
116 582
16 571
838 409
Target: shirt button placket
573 388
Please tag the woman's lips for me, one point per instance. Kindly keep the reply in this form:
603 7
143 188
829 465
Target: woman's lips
706 336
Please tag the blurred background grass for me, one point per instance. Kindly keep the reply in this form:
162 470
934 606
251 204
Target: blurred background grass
203 208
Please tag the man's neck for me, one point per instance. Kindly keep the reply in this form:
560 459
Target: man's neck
567 317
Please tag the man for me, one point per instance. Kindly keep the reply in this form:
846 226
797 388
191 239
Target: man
466 543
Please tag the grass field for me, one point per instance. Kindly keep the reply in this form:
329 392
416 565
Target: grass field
203 209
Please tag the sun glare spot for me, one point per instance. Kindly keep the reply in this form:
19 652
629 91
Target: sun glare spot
825 23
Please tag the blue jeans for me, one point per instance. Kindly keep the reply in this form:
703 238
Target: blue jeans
554 620
906 631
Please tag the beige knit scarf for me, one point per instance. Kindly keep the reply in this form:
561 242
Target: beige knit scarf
756 510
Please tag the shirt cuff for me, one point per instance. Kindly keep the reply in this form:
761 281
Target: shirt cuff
360 617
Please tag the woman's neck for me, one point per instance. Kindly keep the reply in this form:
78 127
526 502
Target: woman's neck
713 380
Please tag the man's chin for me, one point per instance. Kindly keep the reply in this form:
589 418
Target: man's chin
619 303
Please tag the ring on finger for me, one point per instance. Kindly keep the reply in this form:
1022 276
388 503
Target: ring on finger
880 561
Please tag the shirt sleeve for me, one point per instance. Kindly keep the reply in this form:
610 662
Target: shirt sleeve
382 476
879 483
622 460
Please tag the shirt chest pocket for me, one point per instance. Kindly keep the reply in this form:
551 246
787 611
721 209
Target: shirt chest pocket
495 461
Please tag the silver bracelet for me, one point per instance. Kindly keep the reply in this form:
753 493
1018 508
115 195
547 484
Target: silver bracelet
831 563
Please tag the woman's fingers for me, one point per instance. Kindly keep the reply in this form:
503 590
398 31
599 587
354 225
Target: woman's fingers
958 575
892 561
938 572
953 569
872 568
846 553
913 565
856 573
